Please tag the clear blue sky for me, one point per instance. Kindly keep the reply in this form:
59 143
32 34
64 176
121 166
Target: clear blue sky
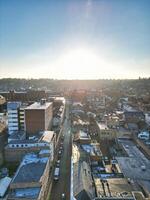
75 38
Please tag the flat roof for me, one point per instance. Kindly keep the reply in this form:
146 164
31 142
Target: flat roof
38 106
4 184
103 126
119 187
131 165
31 169
26 192
47 136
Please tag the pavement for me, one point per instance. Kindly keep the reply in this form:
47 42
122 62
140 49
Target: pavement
63 184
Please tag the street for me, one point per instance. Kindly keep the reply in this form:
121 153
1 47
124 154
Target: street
63 184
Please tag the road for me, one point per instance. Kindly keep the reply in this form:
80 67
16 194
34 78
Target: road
63 184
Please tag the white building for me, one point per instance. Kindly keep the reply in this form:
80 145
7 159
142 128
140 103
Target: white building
13 121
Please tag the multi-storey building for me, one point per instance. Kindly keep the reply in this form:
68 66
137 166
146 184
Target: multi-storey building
17 149
38 117
13 121
16 119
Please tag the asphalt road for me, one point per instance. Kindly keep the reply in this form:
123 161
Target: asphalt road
63 184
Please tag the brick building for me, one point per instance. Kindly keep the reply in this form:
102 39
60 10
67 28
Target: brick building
38 117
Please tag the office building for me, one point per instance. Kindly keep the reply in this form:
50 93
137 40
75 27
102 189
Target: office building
38 117
13 121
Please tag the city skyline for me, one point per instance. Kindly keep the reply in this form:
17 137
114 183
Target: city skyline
75 39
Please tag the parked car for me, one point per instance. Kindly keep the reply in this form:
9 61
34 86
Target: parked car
63 196
56 173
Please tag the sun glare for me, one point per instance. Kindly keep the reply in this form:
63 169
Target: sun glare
80 64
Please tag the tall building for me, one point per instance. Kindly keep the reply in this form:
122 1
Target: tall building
38 117
13 121
21 117
16 119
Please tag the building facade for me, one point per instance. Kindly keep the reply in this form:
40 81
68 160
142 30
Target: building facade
38 117
13 121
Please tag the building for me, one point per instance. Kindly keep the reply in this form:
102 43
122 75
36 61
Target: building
24 96
113 188
134 116
13 121
93 150
4 184
81 180
21 117
3 138
82 138
38 117
31 179
105 132
17 149
2 102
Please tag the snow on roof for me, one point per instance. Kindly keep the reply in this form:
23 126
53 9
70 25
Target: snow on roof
87 148
33 158
38 106
31 169
44 151
27 192
4 183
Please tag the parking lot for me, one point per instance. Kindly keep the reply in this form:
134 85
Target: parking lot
135 166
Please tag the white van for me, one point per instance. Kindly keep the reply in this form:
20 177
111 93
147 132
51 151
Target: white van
56 173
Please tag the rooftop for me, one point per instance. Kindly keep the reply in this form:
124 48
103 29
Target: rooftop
47 136
92 149
114 187
103 126
31 169
131 165
4 184
26 192
38 106
82 179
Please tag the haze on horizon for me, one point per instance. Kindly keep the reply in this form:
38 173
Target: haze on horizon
75 39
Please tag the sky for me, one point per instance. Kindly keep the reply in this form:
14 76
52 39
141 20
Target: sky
75 39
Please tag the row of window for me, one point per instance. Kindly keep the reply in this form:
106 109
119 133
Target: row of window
26 145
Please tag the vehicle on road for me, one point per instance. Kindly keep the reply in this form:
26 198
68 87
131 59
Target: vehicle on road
56 173
143 135
61 148
58 163
143 167
59 152
63 196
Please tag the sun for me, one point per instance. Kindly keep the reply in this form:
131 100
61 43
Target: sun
79 63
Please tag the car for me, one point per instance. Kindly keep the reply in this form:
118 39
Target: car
61 148
58 163
63 196
59 152
56 174
143 167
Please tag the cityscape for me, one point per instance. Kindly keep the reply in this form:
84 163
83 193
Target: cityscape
75 143
74 100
